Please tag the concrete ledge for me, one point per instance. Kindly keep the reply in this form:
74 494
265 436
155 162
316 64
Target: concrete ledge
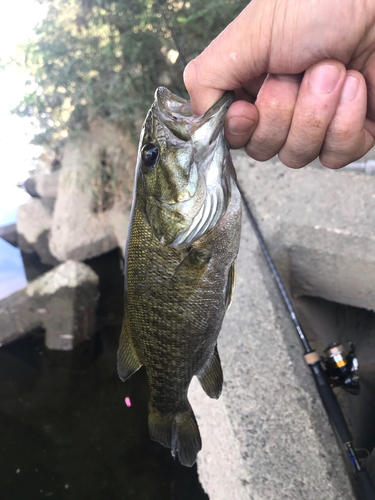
63 301
269 423
268 436
33 228
320 226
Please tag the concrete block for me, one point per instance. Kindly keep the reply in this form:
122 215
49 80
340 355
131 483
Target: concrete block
118 218
77 232
33 228
268 436
320 224
43 185
92 207
63 301
46 185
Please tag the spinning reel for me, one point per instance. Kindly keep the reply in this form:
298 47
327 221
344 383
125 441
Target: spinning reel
341 367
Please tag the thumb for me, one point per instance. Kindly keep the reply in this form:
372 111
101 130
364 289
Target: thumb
238 55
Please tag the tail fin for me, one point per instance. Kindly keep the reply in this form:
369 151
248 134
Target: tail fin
178 431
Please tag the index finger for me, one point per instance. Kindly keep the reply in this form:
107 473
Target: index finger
202 98
228 63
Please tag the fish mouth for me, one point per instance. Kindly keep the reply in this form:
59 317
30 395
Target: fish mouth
177 112
172 105
219 109
207 127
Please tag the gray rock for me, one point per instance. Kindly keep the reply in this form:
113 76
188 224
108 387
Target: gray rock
118 218
30 187
46 185
42 185
90 217
33 228
63 301
268 436
9 234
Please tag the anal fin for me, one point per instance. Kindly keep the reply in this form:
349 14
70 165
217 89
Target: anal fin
211 376
127 358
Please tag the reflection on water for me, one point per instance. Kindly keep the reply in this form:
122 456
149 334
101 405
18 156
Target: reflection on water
12 273
68 432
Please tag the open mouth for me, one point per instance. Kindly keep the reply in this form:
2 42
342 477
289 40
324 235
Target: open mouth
179 109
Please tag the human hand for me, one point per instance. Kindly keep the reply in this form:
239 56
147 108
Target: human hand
304 76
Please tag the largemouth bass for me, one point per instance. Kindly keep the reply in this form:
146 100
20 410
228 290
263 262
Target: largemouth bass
180 258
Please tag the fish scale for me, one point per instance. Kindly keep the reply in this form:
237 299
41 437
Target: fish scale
179 282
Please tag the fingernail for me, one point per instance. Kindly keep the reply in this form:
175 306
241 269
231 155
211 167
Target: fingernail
324 78
239 126
350 89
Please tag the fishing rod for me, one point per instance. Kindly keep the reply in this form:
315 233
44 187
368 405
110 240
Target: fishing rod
340 366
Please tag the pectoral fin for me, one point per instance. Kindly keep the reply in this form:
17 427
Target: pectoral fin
211 376
229 290
189 272
127 358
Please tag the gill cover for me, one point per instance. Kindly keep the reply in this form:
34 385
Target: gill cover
185 166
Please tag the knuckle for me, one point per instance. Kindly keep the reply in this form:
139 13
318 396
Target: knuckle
261 150
310 124
332 162
340 134
341 148
276 114
292 162
299 152
260 155
195 78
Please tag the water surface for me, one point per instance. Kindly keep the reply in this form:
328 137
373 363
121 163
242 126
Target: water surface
66 430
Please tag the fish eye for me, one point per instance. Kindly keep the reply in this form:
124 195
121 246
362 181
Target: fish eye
150 155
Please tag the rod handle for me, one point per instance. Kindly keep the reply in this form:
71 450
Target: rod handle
330 402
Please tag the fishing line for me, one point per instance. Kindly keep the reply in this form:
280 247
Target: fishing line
323 386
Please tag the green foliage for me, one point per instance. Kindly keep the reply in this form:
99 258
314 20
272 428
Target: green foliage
104 58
